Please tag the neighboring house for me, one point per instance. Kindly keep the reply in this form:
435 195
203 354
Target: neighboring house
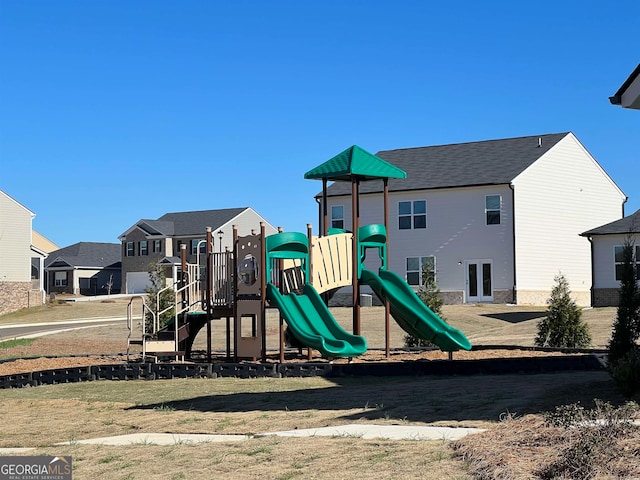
495 220
628 95
607 242
150 242
18 288
41 244
84 268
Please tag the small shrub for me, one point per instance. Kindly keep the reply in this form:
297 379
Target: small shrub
625 372
429 293
626 328
166 299
563 326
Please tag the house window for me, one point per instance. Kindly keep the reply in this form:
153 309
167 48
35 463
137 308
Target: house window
194 246
337 216
619 260
412 214
130 250
421 270
60 279
143 248
492 205
157 246
178 248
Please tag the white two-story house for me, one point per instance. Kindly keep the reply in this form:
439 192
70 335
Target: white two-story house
497 220
21 263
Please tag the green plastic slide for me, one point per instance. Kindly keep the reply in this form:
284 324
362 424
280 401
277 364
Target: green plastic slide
413 316
313 325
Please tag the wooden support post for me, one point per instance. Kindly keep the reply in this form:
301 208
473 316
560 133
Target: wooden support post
387 308
208 286
183 295
325 214
281 339
263 288
236 334
355 284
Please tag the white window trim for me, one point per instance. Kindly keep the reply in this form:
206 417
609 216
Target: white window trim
487 210
615 263
413 215
62 281
333 219
420 261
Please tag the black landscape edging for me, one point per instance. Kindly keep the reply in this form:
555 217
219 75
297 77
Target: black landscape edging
163 371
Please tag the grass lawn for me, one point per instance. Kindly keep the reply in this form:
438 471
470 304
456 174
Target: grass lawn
43 416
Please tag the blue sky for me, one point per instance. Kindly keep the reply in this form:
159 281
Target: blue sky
112 111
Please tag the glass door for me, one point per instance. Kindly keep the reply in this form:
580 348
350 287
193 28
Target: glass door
479 281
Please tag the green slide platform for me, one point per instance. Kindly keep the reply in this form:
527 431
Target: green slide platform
313 325
412 314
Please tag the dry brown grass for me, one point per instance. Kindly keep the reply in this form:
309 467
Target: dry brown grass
43 416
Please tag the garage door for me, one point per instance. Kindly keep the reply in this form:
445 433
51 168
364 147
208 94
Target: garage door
137 282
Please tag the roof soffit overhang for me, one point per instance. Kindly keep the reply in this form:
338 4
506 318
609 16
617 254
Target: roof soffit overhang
628 95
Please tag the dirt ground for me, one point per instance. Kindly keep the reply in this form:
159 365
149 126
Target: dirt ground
484 325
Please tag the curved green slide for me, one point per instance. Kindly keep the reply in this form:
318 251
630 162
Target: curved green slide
413 316
313 325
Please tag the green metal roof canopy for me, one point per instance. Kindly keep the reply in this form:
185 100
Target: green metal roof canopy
355 162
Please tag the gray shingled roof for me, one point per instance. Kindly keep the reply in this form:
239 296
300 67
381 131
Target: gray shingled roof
194 223
87 254
155 227
490 162
630 224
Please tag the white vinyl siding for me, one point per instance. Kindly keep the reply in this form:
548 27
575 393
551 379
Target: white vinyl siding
456 232
560 196
15 240
604 261
246 222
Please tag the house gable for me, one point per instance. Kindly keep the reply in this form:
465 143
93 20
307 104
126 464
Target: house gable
560 196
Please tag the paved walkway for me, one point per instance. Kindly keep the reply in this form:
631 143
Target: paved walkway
389 432
14 331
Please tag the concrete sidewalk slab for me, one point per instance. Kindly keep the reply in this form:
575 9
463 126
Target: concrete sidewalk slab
390 432
158 439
